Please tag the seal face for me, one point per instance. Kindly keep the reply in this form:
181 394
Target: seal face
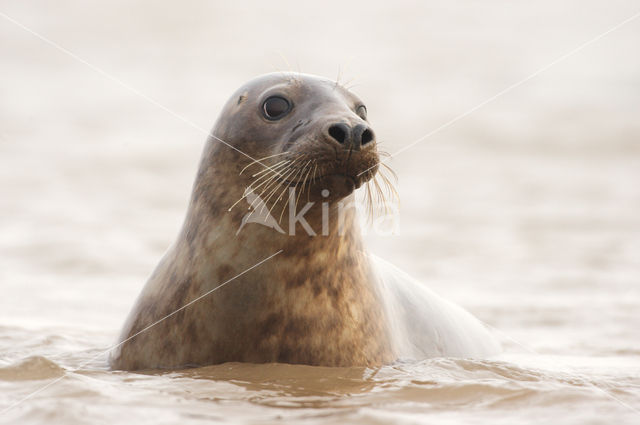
304 120
322 300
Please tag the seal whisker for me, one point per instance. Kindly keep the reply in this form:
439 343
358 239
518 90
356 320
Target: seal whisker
284 207
315 167
255 161
382 152
275 189
275 178
369 203
274 181
272 190
308 168
350 86
380 194
383 192
392 200
284 168
382 199
290 75
376 210
297 183
266 177
280 167
390 186
287 198
320 172
251 187
389 169
346 83
273 167
270 183
244 195
338 78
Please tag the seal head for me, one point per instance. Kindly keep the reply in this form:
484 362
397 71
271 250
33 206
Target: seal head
304 120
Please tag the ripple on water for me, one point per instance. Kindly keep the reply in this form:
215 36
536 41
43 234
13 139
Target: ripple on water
31 368
405 392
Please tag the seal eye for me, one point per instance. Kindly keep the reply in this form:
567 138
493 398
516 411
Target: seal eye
276 107
362 111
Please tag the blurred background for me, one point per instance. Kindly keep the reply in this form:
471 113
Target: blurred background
526 211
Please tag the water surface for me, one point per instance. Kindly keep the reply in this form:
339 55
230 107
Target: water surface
527 212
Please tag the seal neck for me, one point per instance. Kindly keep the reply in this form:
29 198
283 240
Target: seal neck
320 279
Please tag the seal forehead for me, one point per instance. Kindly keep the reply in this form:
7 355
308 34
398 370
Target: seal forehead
295 85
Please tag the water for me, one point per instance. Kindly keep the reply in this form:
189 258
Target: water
527 212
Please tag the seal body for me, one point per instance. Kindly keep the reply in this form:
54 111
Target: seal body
300 145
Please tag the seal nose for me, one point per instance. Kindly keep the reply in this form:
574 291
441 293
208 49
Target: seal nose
340 132
355 137
362 135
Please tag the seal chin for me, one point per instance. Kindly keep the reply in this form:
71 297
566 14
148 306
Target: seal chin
341 185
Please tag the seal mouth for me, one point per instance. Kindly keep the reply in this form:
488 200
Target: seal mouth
317 170
354 181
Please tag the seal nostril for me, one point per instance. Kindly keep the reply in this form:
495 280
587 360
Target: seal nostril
338 132
367 136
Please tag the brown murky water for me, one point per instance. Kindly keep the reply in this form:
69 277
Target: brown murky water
527 212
